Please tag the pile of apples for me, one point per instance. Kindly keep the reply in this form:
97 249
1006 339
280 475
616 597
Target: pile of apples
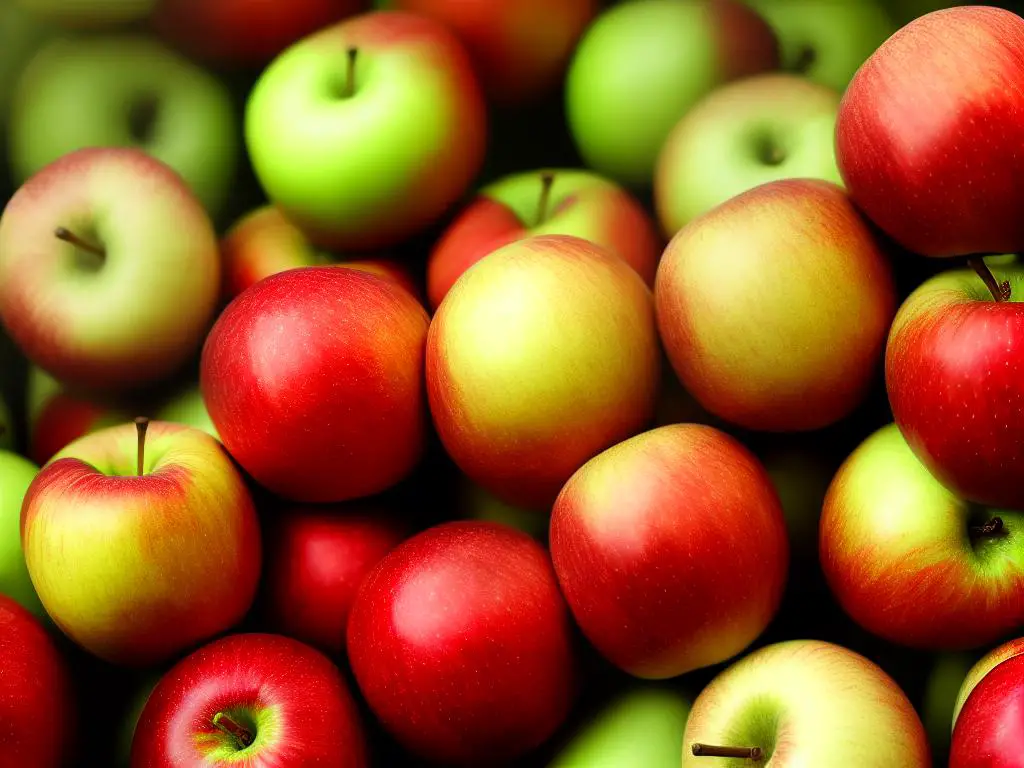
522 382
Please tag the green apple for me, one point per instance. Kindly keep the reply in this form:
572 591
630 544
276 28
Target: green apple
16 474
947 674
826 40
744 134
187 407
642 65
89 14
20 34
642 728
125 91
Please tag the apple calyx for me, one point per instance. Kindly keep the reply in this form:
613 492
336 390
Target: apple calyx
546 182
141 425
711 750
350 73
990 529
65 234
243 736
999 291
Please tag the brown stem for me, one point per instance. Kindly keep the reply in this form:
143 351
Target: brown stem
141 425
65 234
350 73
710 750
546 181
999 291
992 528
242 735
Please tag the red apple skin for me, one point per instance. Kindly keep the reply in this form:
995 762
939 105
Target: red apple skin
988 732
338 416
63 419
980 670
317 558
37 717
461 644
671 550
315 721
929 133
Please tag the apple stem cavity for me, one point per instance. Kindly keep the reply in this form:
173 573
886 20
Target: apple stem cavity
65 234
243 736
992 528
710 750
999 291
547 180
350 73
141 425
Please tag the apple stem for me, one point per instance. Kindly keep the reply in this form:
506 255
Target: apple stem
141 425
992 528
350 74
242 735
999 291
546 182
65 234
709 750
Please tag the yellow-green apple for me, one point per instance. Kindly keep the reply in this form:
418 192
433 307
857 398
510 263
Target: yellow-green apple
316 558
366 132
945 680
826 41
16 475
982 667
907 133
89 14
803 703
187 407
462 644
742 135
542 355
259 700
21 33
545 202
950 369
313 379
671 550
987 732
641 728
109 269
125 91
912 562
655 59
142 544
774 306
519 48
37 715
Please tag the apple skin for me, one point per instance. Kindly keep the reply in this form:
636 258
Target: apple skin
939 705
16 475
808 702
177 550
987 732
371 170
516 62
187 407
316 559
542 355
950 370
908 127
810 299
671 550
462 644
83 91
657 58
742 135
292 696
89 14
136 317
982 667
341 415
36 693
896 550
579 203
21 34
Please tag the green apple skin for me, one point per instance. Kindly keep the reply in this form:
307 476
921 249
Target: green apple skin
642 728
89 14
744 134
369 169
986 664
16 475
653 60
826 41
187 407
125 91
21 34
940 697
807 703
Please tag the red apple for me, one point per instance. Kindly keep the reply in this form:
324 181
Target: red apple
547 202
982 667
930 130
313 379
988 732
461 643
258 700
671 550
316 558
37 717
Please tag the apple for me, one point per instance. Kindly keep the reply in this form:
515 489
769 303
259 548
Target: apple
545 202
367 131
826 42
133 712
908 135
950 369
313 379
774 306
655 59
942 687
987 733
542 355
801 476
520 48
187 407
142 543
21 34
671 550
259 699
981 668
476 503
16 475
462 645
742 135
913 563
803 703
109 269
316 558
36 694
642 727
89 14
905 11
125 91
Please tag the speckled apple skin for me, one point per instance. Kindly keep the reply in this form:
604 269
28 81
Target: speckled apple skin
986 664
988 731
